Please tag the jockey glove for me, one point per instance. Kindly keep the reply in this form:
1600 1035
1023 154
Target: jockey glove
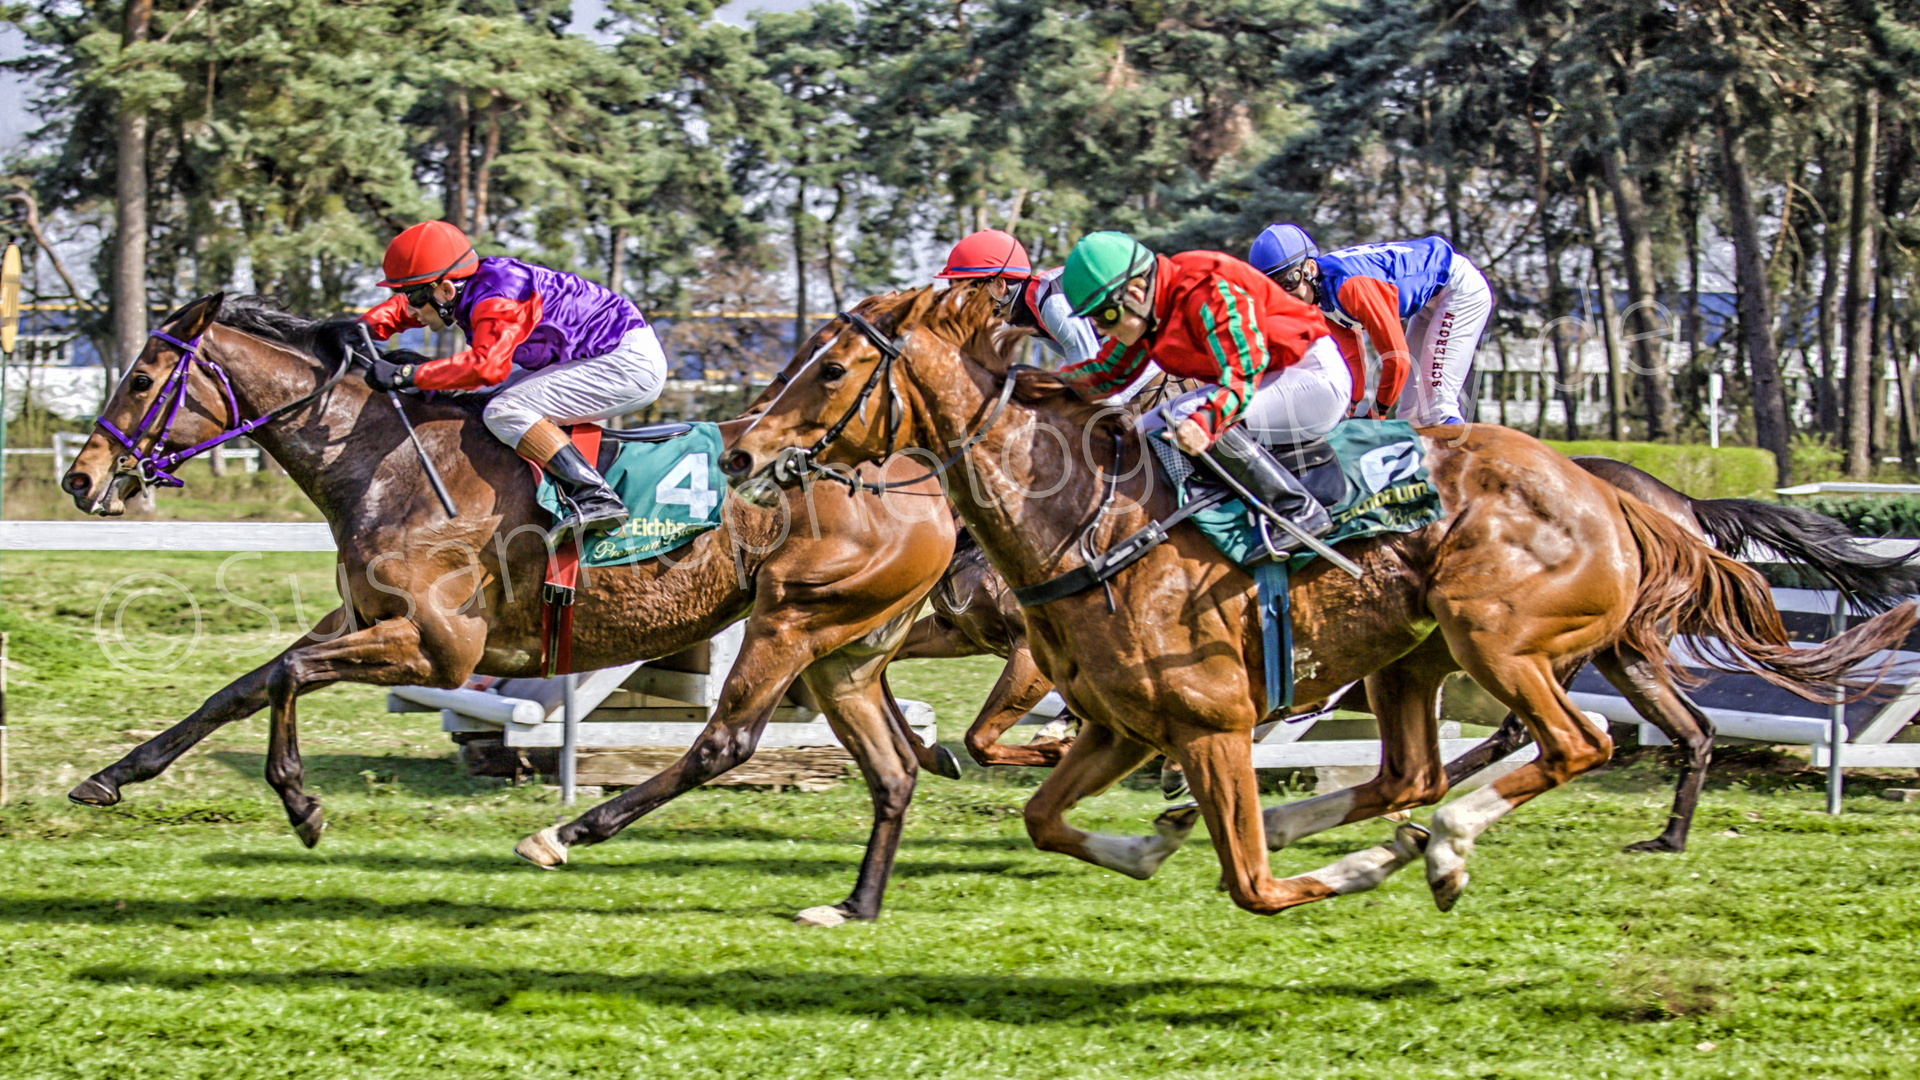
395 370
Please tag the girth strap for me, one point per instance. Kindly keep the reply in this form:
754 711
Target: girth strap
1104 566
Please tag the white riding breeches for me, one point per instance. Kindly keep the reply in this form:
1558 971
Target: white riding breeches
596 388
1298 404
1443 336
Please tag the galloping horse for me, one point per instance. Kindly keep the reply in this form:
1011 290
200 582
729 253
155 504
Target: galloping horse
828 592
1535 566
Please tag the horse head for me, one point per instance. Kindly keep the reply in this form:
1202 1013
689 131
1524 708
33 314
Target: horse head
840 402
105 471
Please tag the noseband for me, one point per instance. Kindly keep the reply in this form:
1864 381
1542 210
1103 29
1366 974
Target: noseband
795 463
157 468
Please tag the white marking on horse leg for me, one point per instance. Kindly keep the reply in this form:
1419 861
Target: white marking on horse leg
1364 870
1139 856
1454 828
1291 821
824 915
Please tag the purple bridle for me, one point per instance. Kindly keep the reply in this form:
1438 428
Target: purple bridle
156 468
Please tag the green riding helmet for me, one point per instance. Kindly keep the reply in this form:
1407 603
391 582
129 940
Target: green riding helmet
1100 266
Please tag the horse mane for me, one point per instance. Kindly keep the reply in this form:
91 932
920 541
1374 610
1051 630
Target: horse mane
260 317
963 317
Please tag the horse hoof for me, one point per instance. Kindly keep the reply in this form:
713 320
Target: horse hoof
93 791
1447 890
945 764
1412 838
824 915
543 849
1655 846
1173 782
1399 815
1177 820
309 828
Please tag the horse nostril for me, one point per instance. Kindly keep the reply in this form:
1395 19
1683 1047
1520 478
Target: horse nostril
737 463
78 483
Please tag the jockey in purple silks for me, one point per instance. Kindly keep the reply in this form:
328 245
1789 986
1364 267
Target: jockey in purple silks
556 348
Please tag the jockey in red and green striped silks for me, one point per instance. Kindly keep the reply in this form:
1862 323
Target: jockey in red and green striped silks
1208 316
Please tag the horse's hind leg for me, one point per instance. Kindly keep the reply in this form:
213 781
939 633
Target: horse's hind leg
1097 760
850 694
387 653
1511 735
1570 744
237 700
1668 709
770 657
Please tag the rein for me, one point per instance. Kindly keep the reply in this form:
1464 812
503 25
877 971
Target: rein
795 463
155 468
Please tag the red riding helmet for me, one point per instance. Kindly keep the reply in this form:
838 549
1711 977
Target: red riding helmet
428 252
986 254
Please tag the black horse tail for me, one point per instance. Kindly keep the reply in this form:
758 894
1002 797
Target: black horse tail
1874 583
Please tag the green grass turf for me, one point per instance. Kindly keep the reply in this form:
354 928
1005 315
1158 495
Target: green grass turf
186 933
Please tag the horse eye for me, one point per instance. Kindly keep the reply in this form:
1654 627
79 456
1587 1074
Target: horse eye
831 372
142 383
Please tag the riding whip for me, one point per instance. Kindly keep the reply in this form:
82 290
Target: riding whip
433 474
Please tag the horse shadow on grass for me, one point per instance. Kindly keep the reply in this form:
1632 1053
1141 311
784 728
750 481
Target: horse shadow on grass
425 777
666 866
198 912
1006 999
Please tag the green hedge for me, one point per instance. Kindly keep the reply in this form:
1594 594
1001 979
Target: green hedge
1872 515
1731 472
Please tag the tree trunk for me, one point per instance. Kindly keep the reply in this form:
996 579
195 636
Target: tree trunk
1827 385
130 314
1859 414
1609 320
799 263
1755 304
483 183
828 245
1558 302
461 156
617 262
1013 214
1643 330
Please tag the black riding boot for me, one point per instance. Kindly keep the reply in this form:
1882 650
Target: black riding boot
1242 457
595 507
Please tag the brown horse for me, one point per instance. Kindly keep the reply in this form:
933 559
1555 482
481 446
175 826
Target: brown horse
828 587
1535 566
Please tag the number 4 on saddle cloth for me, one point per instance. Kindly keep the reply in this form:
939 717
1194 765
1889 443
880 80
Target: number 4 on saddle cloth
1371 477
669 478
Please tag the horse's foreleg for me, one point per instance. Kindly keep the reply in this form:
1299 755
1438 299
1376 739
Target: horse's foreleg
1668 709
1098 759
770 657
851 694
1511 735
935 759
237 700
1019 688
1570 744
387 653
1404 698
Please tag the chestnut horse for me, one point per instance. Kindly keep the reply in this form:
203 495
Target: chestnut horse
828 587
1534 567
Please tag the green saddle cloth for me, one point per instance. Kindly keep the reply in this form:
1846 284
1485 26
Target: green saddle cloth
672 489
1387 492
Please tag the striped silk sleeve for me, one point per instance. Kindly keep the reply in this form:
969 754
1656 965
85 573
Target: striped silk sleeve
1108 372
1234 338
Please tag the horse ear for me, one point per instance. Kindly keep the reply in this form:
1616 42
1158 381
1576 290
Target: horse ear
192 321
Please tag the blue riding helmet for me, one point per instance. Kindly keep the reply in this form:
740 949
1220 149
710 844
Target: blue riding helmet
1280 247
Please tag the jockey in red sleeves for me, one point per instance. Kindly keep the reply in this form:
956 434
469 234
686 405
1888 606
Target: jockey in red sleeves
1205 315
558 348
1440 295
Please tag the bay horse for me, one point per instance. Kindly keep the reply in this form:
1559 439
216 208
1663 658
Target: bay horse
1535 566
828 587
